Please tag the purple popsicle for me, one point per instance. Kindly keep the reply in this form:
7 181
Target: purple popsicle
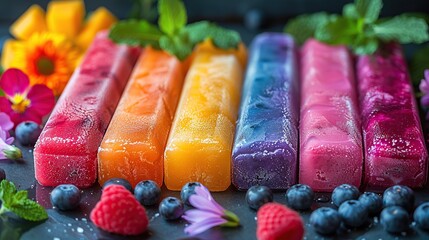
395 151
265 147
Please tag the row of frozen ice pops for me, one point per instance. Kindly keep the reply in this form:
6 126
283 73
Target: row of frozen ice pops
139 143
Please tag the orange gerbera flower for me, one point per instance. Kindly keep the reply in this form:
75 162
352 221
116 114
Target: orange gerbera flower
47 58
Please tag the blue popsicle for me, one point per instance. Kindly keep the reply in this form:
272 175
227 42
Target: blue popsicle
266 140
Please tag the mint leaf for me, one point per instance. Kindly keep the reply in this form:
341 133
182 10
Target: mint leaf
350 11
172 16
369 10
7 191
20 196
134 32
29 210
338 30
180 46
419 63
221 37
2 93
305 26
403 29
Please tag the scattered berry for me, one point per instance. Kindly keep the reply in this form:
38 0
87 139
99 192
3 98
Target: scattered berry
325 220
119 212
2 174
353 213
372 202
27 133
257 196
300 197
343 193
398 195
395 219
276 221
65 197
119 181
147 192
187 190
421 216
171 208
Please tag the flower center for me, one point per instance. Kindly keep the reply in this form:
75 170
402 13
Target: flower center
45 66
20 103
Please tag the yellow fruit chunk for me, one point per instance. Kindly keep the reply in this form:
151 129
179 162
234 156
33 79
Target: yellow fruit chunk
100 19
32 21
65 17
8 52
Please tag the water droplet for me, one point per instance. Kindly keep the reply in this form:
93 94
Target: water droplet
322 199
79 230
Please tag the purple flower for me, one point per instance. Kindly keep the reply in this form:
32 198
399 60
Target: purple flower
7 151
207 213
424 88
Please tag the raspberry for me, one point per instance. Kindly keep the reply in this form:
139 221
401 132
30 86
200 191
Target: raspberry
276 221
119 212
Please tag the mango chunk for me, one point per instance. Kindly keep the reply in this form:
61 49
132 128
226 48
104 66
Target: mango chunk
31 21
65 17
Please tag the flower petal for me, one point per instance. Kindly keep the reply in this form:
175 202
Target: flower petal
5 122
14 81
205 204
196 215
199 227
42 99
425 100
427 74
203 191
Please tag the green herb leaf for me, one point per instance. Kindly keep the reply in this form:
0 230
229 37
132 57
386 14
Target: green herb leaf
29 210
180 46
18 203
134 32
369 10
419 63
338 30
403 29
221 37
350 11
305 26
172 16
2 93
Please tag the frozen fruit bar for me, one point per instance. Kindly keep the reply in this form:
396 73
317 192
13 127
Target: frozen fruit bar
395 151
200 143
266 141
134 143
330 131
66 151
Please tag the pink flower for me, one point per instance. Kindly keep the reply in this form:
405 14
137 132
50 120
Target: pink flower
23 102
7 151
208 213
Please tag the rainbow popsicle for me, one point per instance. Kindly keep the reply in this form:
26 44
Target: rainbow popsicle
395 152
200 142
66 151
330 130
134 143
266 141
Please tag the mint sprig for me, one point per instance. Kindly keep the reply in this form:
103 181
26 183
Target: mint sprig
359 27
173 35
17 202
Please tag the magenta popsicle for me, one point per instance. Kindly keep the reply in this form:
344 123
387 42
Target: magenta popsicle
66 151
395 151
330 130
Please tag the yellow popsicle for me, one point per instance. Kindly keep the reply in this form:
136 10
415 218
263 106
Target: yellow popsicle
200 141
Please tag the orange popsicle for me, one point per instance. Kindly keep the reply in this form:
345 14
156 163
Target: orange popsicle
133 145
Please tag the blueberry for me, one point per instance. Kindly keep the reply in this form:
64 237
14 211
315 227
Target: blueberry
395 219
65 197
257 196
343 193
421 216
325 220
2 174
187 191
147 192
119 181
353 213
171 208
398 195
27 133
300 197
372 202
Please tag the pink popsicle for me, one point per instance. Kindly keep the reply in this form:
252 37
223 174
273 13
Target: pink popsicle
66 151
330 130
395 152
